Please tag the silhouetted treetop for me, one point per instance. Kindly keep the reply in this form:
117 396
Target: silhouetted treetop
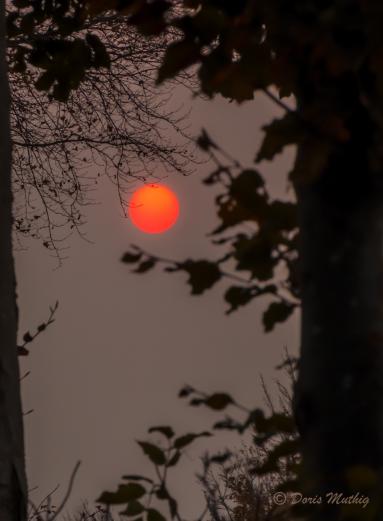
84 105
326 54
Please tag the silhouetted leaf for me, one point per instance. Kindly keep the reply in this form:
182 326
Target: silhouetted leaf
149 19
282 215
45 81
130 257
185 391
276 312
247 187
165 430
238 296
22 351
124 494
218 74
287 130
203 275
178 56
186 439
101 56
27 337
61 90
155 453
213 67
218 401
251 419
154 515
174 459
276 423
254 254
260 421
145 266
134 508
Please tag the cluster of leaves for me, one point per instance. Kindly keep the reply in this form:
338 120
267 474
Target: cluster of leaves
62 56
252 45
272 464
264 244
316 51
139 490
275 437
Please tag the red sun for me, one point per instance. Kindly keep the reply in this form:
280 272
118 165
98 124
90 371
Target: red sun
153 208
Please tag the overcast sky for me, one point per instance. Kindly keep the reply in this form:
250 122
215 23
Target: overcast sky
122 344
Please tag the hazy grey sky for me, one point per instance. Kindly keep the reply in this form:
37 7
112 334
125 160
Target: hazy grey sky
123 344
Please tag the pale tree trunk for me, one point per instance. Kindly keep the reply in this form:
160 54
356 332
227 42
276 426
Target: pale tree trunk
339 396
12 474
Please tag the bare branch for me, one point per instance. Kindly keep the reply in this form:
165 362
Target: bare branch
68 492
117 124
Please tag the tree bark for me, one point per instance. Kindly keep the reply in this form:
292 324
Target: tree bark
13 491
339 394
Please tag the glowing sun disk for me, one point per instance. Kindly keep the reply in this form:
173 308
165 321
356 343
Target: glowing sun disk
153 208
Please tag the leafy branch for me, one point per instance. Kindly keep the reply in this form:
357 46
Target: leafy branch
28 337
140 490
263 240
272 463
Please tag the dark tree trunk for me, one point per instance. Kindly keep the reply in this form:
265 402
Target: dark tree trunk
339 395
12 473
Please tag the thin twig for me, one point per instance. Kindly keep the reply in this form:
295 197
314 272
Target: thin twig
68 492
